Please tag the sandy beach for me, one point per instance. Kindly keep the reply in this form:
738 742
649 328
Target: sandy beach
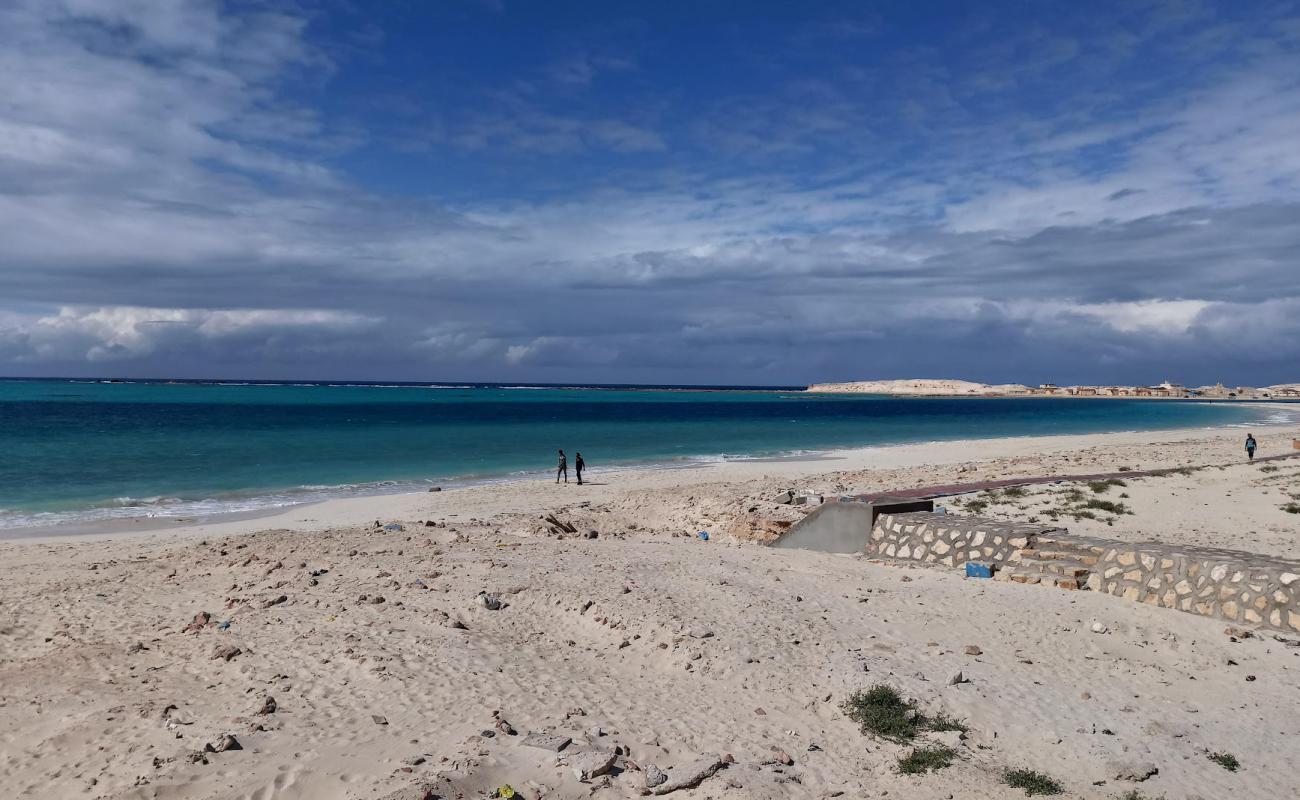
407 646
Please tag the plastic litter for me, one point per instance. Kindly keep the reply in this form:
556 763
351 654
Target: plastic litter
704 536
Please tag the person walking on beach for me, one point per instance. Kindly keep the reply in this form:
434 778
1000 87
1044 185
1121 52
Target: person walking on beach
578 464
1250 446
562 469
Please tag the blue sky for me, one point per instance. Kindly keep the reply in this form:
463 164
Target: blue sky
671 192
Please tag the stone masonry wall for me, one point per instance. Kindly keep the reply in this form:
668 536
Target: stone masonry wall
1227 584
1231 585
949 539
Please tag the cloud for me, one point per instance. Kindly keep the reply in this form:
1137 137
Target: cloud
172 204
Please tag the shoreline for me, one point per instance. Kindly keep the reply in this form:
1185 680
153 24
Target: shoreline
806 466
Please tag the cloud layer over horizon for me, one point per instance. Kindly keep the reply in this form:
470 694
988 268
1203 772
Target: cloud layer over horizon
501 191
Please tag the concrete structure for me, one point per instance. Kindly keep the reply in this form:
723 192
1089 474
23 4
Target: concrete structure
1231 585
844 525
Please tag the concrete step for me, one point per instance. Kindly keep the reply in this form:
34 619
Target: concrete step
1066 567
1039 554
1034 576
1073 544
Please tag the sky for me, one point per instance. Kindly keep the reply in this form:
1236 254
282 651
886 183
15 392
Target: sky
700 192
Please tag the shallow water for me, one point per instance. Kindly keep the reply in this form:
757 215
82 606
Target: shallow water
86 450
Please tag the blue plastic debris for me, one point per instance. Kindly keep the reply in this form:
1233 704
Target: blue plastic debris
393 526
978 569
704 535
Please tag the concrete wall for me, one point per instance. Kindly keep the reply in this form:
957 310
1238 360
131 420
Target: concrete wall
841 526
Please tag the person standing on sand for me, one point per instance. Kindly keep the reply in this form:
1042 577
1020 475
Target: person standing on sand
1250 446
578 464
562 469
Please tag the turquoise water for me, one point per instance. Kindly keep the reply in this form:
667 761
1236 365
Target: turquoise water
82 450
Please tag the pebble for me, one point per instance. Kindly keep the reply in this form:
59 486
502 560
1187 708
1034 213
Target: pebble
490 602
973 650
699 632
957 677
225 652
268 706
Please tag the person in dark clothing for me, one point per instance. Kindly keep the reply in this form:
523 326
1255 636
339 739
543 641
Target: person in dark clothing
578 464
1250 446
562 469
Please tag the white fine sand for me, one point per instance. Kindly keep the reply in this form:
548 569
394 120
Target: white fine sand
103 695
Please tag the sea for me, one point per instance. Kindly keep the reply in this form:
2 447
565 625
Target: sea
78 451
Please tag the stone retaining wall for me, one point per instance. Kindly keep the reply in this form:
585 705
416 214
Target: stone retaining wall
949 539
1227 584
1231 585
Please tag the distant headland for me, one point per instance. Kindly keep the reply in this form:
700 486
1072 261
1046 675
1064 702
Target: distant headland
935 387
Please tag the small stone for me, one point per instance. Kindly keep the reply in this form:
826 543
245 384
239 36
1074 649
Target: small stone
690 775
654 776
378 720
699 632
972 650
1097 627
547 741
490 602
435 488
956 678
199 622
413 761
268 706
226 742
591 763
760 712
1237 633
782 757
225 652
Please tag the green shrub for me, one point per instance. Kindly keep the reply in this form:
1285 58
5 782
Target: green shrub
881 711
1226 760
1015 491
926 759
1108 506
1032 782
1101 487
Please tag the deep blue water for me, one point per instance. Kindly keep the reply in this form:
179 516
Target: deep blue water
103 449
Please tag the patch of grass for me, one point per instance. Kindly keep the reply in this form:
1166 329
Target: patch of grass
1078 515
1291 508
1101 487
1226 760
1134 794
1073 496
1268 468
1108 506
1015 491
1033 783
882 711
976 506
926 759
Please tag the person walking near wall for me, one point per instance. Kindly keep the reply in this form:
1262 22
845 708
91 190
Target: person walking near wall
562 468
